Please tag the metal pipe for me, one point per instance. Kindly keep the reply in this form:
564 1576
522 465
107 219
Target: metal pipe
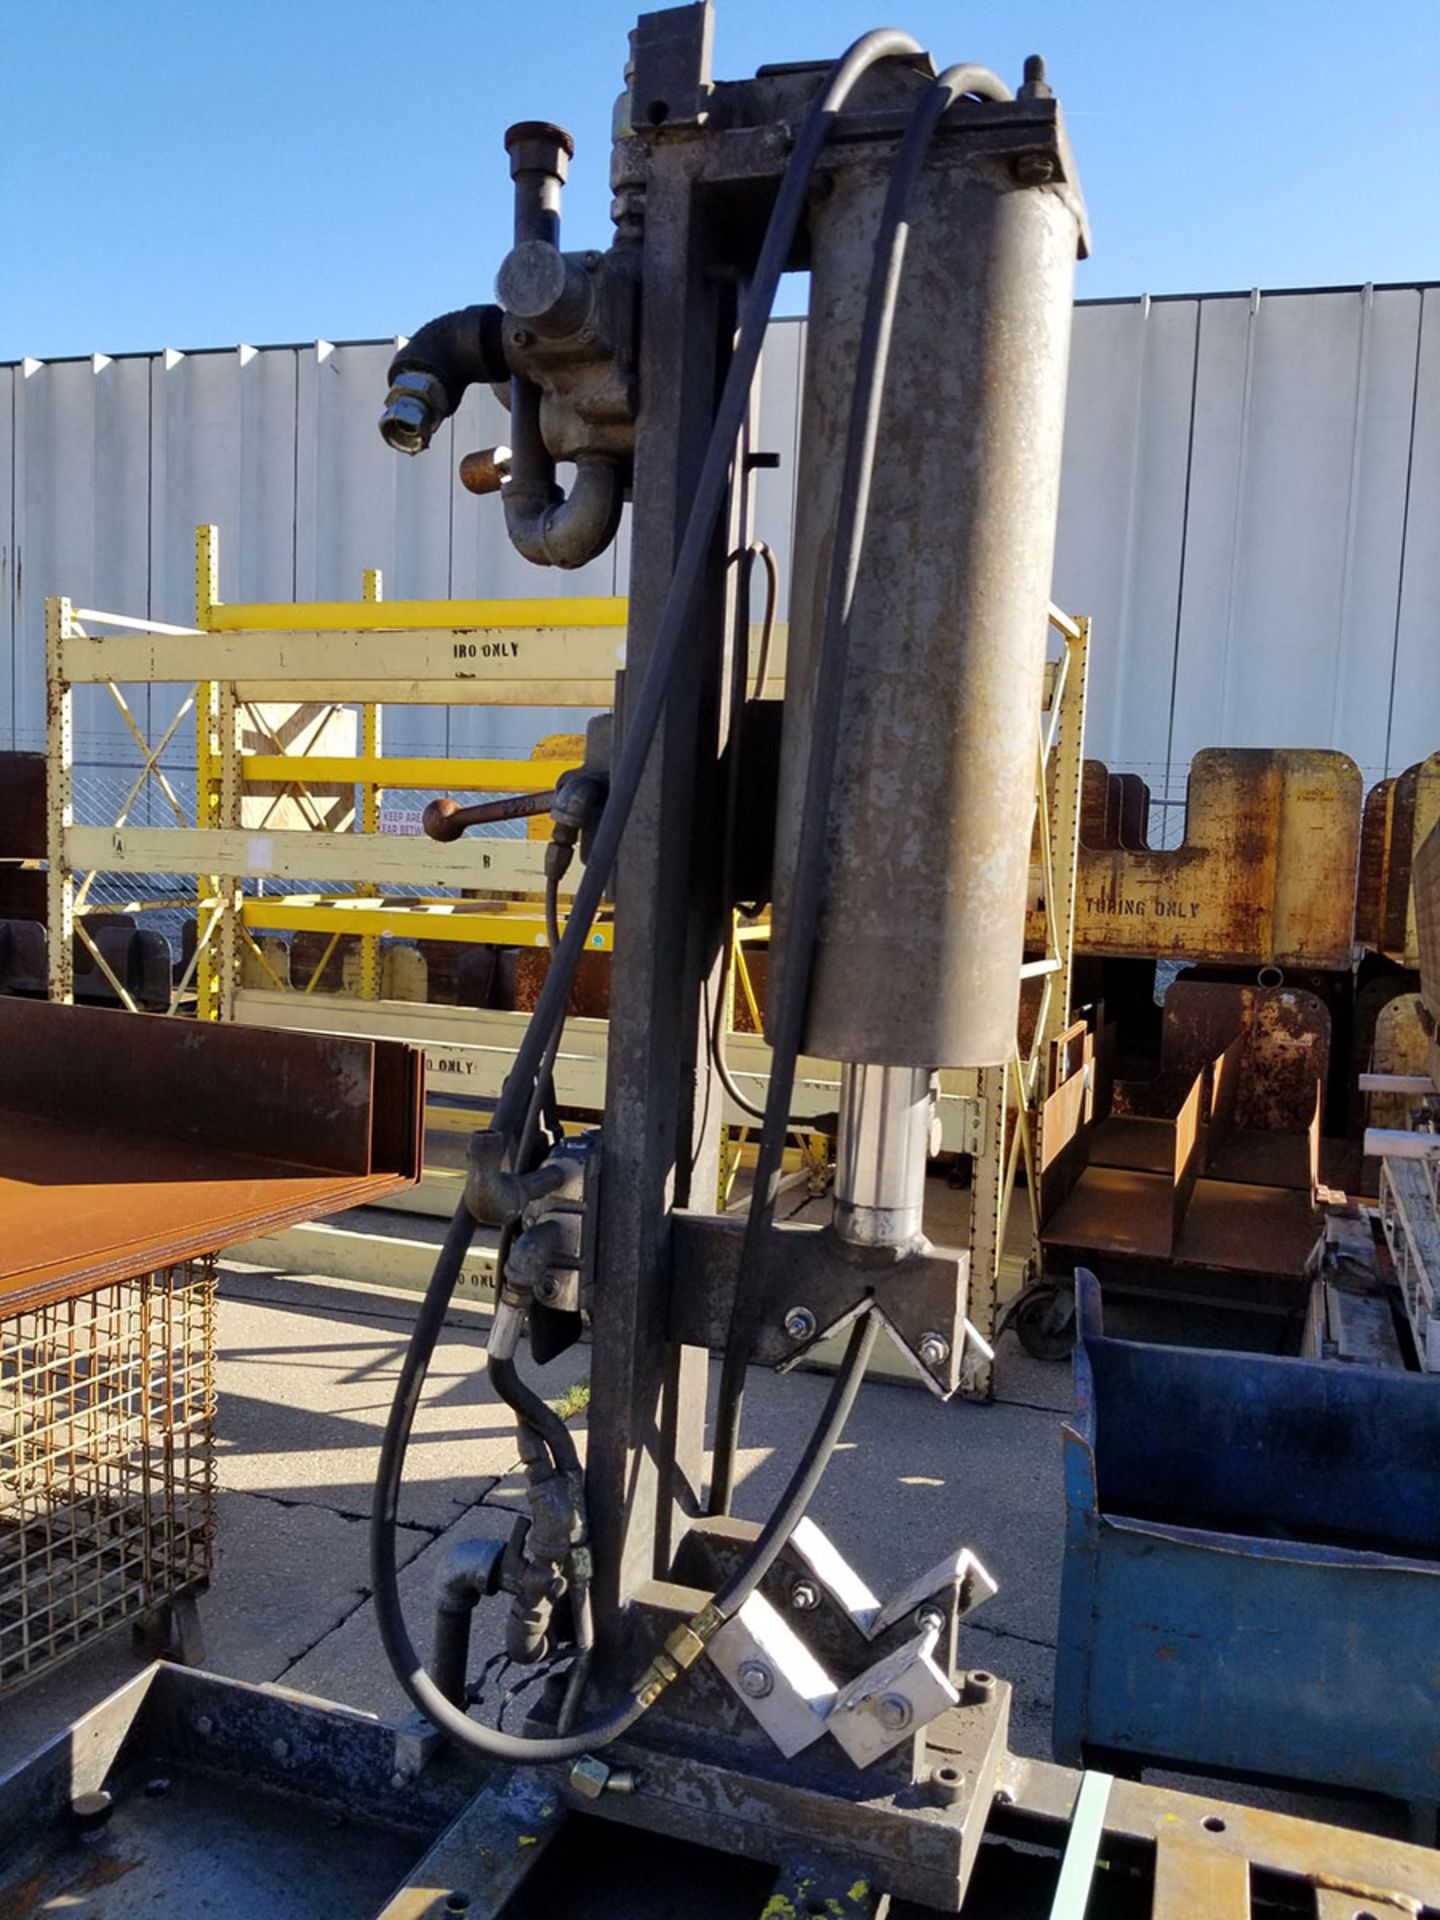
553 529
880 1155
445 819
469 1572
540 155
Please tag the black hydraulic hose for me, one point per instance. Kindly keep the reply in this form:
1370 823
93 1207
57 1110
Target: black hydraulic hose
541 1039
400 1648
787 1018
676 622
807 1475
537 1414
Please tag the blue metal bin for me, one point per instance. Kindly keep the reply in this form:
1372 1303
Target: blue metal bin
1252 1566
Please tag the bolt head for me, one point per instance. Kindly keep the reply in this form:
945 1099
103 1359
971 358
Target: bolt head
755 1679
280 1749
804 1596
1034 169
934 1349
930 1620
799 1324
205 1726
893 1711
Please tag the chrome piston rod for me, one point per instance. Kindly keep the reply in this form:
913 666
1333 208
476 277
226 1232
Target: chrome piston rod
880 1155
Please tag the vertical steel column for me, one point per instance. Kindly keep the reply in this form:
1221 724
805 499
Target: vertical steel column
370 724
662 1111
207 794
59 805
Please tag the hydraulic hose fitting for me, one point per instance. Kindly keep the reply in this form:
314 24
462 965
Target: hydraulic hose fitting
430 374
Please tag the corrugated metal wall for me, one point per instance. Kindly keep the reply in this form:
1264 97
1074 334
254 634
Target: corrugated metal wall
1252 488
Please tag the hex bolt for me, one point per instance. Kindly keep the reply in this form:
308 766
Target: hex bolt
804 1596
799 1323
930 1620
204 1726
1034 169
398 1780
589 1776
280 1749
755 1679
934 1349
893 1711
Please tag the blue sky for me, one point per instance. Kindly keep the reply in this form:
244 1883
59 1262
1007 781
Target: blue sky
198 174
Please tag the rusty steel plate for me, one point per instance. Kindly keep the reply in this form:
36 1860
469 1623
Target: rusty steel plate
22 806
1265 874
131 1141
1400 814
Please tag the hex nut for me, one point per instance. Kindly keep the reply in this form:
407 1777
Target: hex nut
934 1349
589 1776
930 1620
893 1711
804 1596
799 1323
755 1679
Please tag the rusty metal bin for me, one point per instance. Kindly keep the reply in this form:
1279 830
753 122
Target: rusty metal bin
107 1497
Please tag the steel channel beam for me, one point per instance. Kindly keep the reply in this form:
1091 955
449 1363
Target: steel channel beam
132 1141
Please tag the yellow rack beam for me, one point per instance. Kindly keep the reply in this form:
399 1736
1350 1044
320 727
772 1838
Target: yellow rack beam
475 923
383 616
445 776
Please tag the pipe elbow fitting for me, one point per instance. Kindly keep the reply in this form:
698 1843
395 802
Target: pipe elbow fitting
469 1573
574 529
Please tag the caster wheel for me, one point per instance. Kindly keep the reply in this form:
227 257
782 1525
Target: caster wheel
1045 1323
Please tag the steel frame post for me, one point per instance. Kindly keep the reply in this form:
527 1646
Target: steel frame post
59 806
1013 1096
207 796
370 726
662 1111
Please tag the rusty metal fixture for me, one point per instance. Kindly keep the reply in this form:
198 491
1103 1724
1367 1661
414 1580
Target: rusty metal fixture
1399 814
926 882
445 819
486 470
130 1142
1265 874
22 806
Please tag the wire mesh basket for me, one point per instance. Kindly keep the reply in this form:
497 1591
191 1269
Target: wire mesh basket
107 1407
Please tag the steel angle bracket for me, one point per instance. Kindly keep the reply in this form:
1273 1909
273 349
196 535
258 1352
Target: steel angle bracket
818 1283
843 1623
784 1683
